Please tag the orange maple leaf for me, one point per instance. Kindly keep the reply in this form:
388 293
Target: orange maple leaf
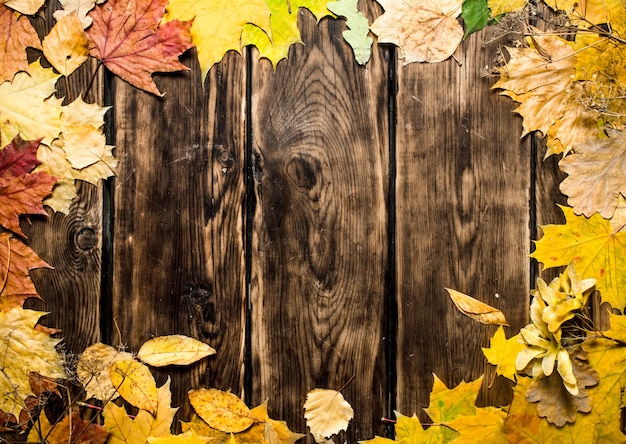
127 38
21 192
16 33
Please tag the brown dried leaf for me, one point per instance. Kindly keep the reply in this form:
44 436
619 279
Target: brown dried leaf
479 311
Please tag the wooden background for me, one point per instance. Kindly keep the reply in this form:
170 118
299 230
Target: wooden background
304 222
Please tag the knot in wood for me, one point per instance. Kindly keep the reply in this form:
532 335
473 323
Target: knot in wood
86 239
224 157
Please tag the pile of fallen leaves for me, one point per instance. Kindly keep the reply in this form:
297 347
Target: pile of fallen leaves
569 78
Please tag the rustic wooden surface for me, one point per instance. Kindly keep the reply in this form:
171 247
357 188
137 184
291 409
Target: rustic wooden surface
304 221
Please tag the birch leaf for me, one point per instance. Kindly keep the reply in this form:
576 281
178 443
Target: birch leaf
475 309
173 350
221 410
16 34
66 46
424 31
358 28
327 413
135 384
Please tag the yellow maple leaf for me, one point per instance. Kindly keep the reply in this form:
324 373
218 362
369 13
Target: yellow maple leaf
595 248
423 30
24 349
93 371
218 24
477 310
221 410
66 45
173 350
280 428
326 412
135 384
409 429
503 352
487 425
126 430
499 7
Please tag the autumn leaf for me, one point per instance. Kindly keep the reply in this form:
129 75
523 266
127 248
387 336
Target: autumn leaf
185 438
503 352
327 413
477 310
70 429
279 428
221 410
358 28
144 47
21 192
135 384
409 429
93 373
424 31
126 430
16 261
593 246
173 350
597 175
252 435
25 349
218 25
499 7
66 46
28 7
79 7
16 34
487 425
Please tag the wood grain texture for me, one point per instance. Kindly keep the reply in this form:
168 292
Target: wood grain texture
462 221
320 230
178 240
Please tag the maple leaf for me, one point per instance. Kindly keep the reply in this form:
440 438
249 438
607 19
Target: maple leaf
16 34
25 349
423 31
66 46
475 309
124 430
499 7
221 410
80 7
282 432
93 371
487 423
71 429
218 25
173 350
21 192
503 352
144 46
541 78
16 261
327 413
596 248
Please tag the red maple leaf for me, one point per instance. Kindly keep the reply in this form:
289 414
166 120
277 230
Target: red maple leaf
16 261
16 33
127 38
21 192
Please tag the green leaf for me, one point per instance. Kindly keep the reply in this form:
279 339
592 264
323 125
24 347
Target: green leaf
475 15
358 28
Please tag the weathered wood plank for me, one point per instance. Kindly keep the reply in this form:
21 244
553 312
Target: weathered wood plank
320 230
462 220
178 240
71 243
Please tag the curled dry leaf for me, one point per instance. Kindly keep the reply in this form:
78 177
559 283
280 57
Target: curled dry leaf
173 350
221 410
327 413
479 311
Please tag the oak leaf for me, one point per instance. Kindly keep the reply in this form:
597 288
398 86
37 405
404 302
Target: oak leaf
327 413
503 352
16 261
66 46
126 430
135 384
144 46
221 410
594 246
217 25
596 175
25 349
475 309
79 7
93 373
21 192
173 350
424 31
499 7
16 34
358 28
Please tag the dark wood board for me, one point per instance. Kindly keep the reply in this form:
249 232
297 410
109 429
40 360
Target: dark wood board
178 239
462 222
319 257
